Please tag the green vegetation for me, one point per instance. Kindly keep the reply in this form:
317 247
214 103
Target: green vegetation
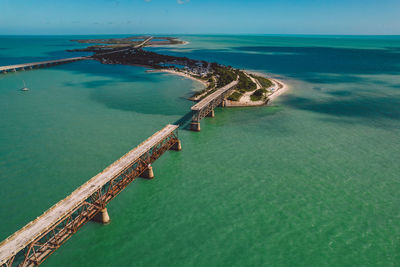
258 95
245 83
265 83
225 75
132 40
235 96
255 98
209 92
201 92
215 74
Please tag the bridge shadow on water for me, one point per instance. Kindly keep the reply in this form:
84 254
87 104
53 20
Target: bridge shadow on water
184 122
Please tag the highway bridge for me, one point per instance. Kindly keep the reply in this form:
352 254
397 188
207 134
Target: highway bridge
32 244
205 108
49 63
29 66
144 42
128 48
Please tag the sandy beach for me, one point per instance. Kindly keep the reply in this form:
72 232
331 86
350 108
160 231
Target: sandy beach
174 72
245 100
157 45
281 89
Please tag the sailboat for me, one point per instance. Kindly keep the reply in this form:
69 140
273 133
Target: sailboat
24 88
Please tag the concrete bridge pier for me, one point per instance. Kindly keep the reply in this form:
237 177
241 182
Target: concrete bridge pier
195 126
223 103
102 217
177 146
211 114
148 173
14 70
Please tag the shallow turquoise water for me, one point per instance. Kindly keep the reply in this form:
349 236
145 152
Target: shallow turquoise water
309 181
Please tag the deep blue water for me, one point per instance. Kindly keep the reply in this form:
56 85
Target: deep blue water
311 180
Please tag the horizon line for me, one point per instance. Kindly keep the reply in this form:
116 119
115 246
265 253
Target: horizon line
270 34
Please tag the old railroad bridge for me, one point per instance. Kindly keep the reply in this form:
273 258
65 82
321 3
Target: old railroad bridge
32 244
205 108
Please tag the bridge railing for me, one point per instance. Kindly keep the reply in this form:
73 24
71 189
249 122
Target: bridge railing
33 248
207 105
15 67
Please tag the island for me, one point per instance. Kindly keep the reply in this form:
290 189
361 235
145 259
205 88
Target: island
253 89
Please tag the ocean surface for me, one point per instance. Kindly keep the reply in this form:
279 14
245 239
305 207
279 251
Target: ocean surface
312 180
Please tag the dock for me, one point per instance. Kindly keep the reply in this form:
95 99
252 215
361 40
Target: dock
32 244
205 108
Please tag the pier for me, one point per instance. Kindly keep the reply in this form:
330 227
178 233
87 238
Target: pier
34 65
32 244
205 108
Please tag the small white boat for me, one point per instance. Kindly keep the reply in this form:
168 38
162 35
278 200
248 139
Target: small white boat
24 88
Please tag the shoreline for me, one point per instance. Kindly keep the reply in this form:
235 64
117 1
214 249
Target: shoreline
150 69
245 100
282 88
178 73
253 85
158 45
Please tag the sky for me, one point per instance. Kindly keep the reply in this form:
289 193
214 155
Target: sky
43 17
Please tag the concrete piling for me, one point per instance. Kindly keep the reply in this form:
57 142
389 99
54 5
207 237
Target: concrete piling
195 126
177 146
148 173
211 114
102 217
223 103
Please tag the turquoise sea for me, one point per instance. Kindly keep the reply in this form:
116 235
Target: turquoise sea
311 180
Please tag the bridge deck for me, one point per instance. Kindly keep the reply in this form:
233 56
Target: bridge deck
19 240
25 65
203 103
144 42
128 48
65 60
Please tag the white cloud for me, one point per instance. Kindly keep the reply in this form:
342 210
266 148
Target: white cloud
181 2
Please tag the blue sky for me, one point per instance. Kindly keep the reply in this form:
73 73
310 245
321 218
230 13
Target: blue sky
200 16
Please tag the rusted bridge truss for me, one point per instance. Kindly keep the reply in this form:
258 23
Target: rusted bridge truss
34 252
